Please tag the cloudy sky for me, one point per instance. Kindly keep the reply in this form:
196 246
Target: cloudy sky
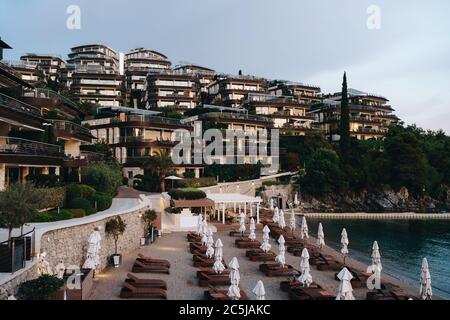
312 41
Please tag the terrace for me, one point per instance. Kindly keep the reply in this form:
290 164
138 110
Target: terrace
16 146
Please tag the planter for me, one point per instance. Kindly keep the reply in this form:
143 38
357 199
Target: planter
116 260
82 293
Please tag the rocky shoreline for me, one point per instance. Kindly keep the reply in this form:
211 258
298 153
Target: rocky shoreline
385 200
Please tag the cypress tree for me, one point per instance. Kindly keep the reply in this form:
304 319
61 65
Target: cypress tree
345 122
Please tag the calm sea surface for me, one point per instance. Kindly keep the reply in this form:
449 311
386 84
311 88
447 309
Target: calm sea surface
403 245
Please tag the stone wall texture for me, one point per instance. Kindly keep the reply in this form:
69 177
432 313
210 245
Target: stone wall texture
70 245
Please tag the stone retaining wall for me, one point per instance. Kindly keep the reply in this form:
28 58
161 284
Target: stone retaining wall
70 245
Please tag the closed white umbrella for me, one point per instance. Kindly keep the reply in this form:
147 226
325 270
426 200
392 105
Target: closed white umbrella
292 221
200 225
280 258
344 243
305 277
281 221
345 287
242 227
93 251
270 204
265 246
320 237
209 244
426 292
205 236
233 291
296 202
259 291
304 232
376 258
218 266
252 235
276 215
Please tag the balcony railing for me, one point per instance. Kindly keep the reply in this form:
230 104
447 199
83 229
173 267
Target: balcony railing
142 139
354 118
228 115
153 119
9 145
49 94
17 105
70 126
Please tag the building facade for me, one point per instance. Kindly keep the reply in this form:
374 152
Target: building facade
49 65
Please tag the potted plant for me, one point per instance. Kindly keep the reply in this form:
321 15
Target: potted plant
116 227
149 229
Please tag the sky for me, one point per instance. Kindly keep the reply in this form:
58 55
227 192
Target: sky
406 59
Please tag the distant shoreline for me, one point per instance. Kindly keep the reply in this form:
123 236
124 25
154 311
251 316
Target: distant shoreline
376 216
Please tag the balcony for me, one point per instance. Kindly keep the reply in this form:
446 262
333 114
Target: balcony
49 94
69 130
17 105
17 146
153 119
141 139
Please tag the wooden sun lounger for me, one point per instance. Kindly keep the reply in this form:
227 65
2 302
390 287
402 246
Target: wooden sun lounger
276 270
197 247
289 284
150 260
194 237
299 293
263 256
215 294
358 280
247 244
203 263
206 279
235 233
330 266
129 291
146 283
140 267
210 272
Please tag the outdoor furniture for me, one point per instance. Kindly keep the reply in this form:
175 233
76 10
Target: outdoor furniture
210 271
357 282
140 267
300 293
329 266
247 243
77 293
197 247
215 294
259 255
206 279
379 295
289 284
276 270
150 260
145 283
235 233
130 291
201 262
194 237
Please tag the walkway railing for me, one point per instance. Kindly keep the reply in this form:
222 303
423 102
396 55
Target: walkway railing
15 252
11 145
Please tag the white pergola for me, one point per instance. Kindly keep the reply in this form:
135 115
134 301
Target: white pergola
236 201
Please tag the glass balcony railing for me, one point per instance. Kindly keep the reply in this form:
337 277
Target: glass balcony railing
70 126
49 94
15 146
17 105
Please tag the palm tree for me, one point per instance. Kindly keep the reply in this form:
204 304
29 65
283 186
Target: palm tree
160 165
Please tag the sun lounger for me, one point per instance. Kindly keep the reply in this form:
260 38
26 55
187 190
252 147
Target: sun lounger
140 267
145 283
289 284
150 260
259 255
215 294
300 293
247 243
209 272
130 291
194 237
235 233
201 262
276 270
206 279
330 266
357 281
197 247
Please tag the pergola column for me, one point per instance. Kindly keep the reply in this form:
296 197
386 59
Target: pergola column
257 212
223 213
245 208
251 209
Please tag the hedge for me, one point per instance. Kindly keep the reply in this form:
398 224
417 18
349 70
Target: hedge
78 213
196 182
80 203
52 216
74 191
187 194
103 177
42 288
103 201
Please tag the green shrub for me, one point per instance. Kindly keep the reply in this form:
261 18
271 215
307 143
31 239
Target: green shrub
52 197
234 172
197 182
103 201
271 183
51 216
125 181
103 177
42 288
187 194
74 191
147 183
44 180
189 174
80 203
78 213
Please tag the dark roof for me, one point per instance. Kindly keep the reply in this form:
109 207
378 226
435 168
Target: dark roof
4 45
